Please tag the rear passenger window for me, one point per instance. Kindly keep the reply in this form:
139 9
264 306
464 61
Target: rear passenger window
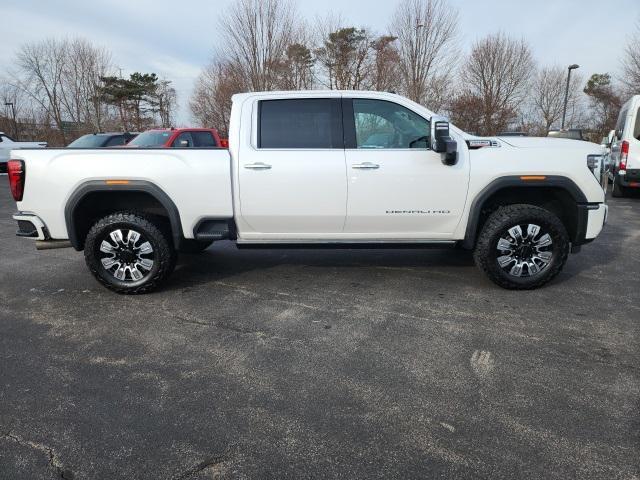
300 123
636 130
203 139
622 117
184 140
115 141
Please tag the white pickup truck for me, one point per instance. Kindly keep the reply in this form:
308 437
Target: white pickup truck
7 144
316 169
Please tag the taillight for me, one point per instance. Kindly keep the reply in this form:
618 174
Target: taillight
624 154
15 171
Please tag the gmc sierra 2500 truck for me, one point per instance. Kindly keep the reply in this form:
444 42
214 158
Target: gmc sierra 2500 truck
313 169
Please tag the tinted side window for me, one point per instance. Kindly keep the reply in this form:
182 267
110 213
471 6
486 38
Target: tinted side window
115 141
183 137
620 123
382 124
636 130
300 123
203 139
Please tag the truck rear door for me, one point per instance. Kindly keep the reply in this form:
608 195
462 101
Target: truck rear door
292 177
633 135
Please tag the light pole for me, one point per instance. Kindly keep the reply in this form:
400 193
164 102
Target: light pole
566 93
13 114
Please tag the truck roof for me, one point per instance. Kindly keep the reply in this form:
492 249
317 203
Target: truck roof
316 93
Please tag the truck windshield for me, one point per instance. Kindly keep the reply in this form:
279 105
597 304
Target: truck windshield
89 141
150 139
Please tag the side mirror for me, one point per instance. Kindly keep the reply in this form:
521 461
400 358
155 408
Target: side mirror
442 142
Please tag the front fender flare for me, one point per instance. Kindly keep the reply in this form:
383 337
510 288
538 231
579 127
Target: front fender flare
515 181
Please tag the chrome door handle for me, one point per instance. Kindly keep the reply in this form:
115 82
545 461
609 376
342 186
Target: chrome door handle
258 166
365 166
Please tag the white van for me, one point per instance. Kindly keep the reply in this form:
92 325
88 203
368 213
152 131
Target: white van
625 149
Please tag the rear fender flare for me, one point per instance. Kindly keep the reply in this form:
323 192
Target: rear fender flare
132 186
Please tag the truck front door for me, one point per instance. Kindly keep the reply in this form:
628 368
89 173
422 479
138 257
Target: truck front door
398 187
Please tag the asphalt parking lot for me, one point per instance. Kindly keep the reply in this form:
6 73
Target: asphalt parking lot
321 364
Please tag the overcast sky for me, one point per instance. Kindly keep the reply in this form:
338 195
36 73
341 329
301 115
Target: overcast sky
175 39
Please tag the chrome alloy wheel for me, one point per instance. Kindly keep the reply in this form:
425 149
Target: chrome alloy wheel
524 255
128 258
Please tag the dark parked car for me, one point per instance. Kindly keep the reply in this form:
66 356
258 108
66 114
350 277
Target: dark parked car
103 140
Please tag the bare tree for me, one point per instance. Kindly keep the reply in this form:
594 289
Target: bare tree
256 36
344 59
426 32
385 71
497 73
605 102
211 100
164 102
631 63
547 97
84 65
297 68
41 67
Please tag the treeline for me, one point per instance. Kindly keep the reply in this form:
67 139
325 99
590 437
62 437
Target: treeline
495 86
61 89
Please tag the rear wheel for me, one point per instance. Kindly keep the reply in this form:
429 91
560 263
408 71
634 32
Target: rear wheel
522 247
617 190
128 253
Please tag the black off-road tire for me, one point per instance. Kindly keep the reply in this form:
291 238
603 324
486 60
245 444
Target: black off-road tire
617 190
164 254
194 246
486 251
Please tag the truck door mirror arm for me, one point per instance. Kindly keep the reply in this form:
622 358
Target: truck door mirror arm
441 141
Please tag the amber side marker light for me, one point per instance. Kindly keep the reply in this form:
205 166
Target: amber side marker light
532 178
116 182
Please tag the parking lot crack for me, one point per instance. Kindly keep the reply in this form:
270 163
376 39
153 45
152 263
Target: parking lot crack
231 328
54 459
208 464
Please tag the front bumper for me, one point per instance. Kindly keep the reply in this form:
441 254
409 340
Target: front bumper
31 226
591 220
596 220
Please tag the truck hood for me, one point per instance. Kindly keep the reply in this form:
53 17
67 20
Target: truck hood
546 142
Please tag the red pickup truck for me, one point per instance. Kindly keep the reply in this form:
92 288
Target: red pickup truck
177 137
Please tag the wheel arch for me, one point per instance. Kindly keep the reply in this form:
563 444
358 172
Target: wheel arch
96 198
558 194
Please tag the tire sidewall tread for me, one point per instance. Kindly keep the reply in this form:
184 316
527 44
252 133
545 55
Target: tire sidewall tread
506 217
161 241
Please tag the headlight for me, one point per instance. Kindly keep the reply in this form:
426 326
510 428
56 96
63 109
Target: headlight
593 162
596 164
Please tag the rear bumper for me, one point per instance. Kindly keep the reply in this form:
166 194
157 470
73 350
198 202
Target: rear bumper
31 226
631 178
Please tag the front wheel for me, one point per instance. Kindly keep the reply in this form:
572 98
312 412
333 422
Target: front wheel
522 247
128 253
